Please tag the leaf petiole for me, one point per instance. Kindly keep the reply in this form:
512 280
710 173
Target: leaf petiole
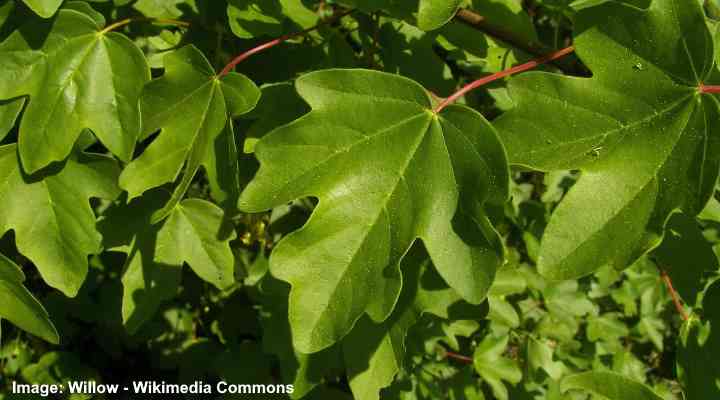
282 39
499 75
126 21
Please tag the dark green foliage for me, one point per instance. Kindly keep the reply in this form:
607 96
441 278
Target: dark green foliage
316 216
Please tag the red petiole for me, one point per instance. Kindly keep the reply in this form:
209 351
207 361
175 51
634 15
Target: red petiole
673 294
499 75
708 88
282 39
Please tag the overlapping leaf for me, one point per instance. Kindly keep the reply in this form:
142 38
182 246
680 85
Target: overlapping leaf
19 306
644 136
387 170
44 8
194 233
193 107
253 18
51 215
375 353
77 76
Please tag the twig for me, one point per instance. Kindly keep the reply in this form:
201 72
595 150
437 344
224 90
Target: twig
161 21
282 39
514 70
481 23
674 295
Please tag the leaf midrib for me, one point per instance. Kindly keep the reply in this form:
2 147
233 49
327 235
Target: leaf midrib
381 210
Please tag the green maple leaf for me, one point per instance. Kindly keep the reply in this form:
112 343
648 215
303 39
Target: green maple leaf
639 129
19 306
387 171
194 233
77 76
193 107
608 385
375 353
44 8
53 222
304 371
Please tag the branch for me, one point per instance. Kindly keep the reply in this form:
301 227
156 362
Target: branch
481 23
282 39
673 294
514 70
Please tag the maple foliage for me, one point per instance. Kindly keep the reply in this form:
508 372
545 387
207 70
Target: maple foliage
539 234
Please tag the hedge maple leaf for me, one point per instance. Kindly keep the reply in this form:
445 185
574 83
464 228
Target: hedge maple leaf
77 76
194 234
194 108
51 215
387 170
641 130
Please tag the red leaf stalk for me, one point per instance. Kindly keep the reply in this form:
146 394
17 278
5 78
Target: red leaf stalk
499 75
459 357
282 39
702 88
674 295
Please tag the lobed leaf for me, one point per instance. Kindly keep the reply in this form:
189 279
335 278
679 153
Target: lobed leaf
193 107
194 233
51 215
387 171
639 129
77 76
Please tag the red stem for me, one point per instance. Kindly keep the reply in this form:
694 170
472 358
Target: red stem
708 88
673 293
242 57
499 75
459 357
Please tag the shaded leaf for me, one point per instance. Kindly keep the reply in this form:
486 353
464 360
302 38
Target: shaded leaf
686 256
57 201
194 233
19 306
